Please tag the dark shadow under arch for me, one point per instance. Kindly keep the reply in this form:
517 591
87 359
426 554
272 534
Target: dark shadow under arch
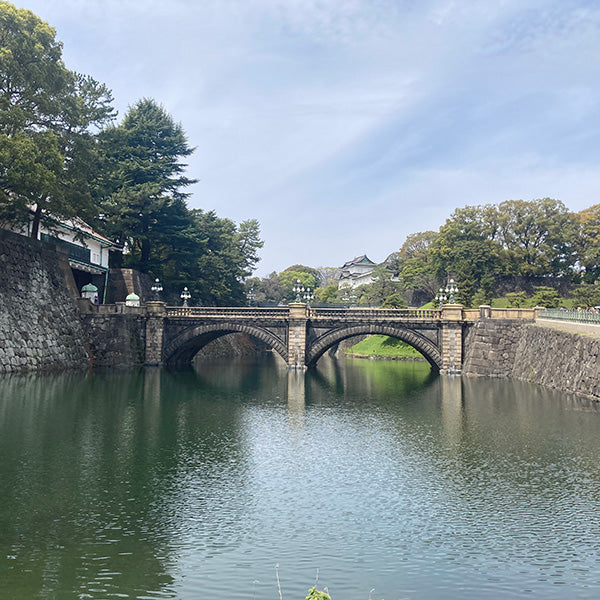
181 350
425 346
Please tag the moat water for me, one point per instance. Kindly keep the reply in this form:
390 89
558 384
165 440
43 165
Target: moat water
381 477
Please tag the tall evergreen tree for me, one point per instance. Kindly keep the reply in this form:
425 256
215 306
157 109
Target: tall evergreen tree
228 254
145 189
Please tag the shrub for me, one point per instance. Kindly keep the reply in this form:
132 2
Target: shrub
315 594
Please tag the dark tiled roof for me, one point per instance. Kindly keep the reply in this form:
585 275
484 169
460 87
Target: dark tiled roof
359 260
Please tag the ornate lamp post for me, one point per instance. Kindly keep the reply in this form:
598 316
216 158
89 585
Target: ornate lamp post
185 296
298 289
157 288
451 289
250 295
440 297
349 298
308 296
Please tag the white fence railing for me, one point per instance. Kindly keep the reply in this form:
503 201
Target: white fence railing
579 316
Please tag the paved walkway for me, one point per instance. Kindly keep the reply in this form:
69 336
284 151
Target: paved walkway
574 326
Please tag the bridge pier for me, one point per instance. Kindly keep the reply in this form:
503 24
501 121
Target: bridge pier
298 320
155 327
452 339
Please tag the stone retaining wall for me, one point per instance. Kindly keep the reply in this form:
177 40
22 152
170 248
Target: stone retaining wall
40 328
542 355
116 341
232 346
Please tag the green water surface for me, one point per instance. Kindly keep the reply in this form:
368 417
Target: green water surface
380 475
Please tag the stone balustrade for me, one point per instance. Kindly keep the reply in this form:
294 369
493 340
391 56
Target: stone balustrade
228 312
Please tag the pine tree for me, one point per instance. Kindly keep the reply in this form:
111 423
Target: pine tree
145 198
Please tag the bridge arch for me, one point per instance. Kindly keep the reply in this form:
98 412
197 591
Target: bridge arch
182 349
425 346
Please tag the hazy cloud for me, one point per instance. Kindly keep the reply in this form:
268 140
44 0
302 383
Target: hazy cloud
344 126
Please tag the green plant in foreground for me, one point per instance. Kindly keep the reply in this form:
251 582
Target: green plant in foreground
315 594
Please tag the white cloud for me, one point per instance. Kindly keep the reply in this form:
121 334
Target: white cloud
377 117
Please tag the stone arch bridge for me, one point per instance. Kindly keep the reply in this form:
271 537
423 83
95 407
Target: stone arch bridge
301 335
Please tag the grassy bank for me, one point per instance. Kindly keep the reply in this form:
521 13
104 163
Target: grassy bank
382 346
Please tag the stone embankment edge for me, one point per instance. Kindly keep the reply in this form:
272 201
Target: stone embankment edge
544 355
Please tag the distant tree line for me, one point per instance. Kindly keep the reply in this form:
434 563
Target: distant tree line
528 251
62 155
536 244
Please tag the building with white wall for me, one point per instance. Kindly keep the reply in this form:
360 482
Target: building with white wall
355 272
87 250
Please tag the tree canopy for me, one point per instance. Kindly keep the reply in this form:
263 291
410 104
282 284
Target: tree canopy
47 113
61 156
588 243
145 201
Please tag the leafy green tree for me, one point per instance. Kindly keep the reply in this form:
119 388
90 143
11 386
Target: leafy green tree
225 253
468 249
328 294
382 286
588 243
539 236
395 300
481 297
587 295
145 200
308 277
48 153
248 242
267 290
415 267
278 287
416 245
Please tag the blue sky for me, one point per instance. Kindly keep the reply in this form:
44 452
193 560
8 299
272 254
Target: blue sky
345 125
